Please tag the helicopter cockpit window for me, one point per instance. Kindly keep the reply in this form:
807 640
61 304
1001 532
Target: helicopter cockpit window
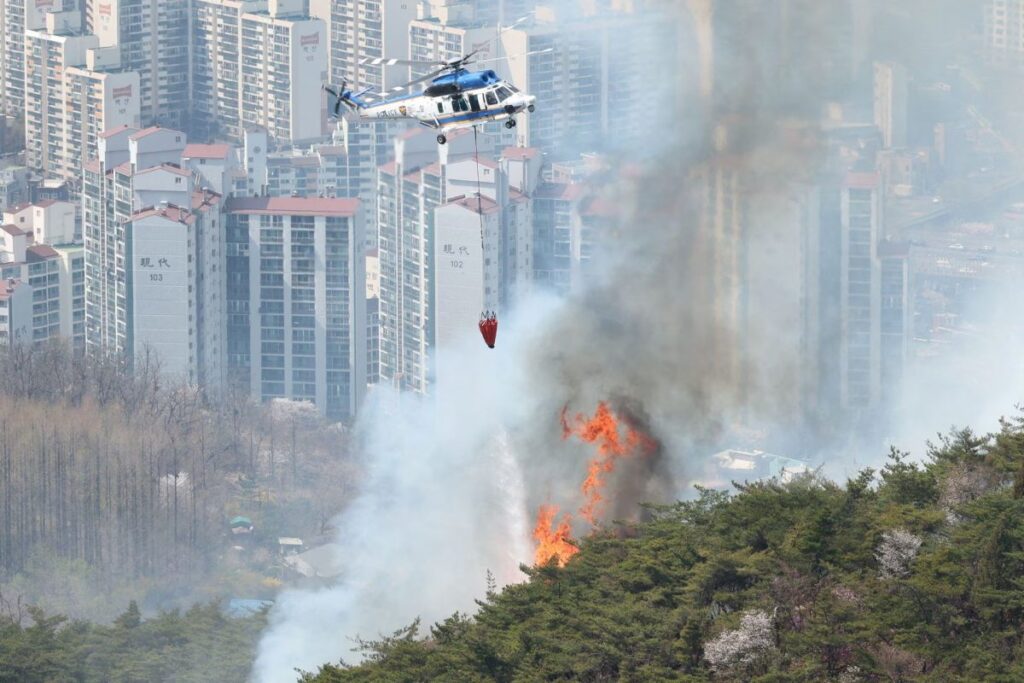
492 99
504 93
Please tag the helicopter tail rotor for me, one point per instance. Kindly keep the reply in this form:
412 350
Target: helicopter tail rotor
343 96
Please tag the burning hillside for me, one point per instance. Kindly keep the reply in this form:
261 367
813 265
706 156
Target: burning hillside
616 437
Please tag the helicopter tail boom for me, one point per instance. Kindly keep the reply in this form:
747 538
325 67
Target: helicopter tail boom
344 96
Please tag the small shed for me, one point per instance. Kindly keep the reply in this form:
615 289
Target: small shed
289 545
241 525
322 562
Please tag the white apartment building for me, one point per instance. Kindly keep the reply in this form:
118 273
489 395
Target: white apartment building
427 208
71 96
1003 32
153 39
46 222
587 86
555 219
439 40
283 68
17 17
296 300
890 103
860 282
153 244
362 30
216 66
366 30
56 276
15 312
213 164
341 168
258 63
175 307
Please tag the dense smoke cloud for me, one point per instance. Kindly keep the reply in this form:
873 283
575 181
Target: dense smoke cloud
440 506
661 331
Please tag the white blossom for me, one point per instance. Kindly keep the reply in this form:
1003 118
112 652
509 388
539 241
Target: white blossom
962 485
286 408
895 553
852 674
744 646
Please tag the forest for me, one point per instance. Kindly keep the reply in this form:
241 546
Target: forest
197 646
117 484
115 491
911 573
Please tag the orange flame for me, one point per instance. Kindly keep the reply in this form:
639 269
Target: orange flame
602 429
553 541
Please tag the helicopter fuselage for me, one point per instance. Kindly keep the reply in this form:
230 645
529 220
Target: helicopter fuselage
454 101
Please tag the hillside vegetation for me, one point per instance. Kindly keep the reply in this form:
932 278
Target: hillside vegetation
117 484
198 646
912 573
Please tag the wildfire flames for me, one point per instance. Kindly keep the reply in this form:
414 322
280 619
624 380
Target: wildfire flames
553 542
602 429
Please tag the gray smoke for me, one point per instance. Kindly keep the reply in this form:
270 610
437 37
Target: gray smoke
441 504
663 330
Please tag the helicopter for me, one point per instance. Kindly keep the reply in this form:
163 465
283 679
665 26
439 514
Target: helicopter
456 97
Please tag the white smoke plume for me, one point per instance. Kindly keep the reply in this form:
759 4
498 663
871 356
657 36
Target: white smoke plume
453 483
441 505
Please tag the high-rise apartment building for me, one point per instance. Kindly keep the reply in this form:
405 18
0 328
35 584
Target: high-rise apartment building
216 87
153 242
896 320
860 287
296 300
890 103
363 31
366 30
430 208
73 91
587 84
49 52
36 248
15 312
153 39
1003 32
56 277
17 17
342 167
257 64
434 40
283 69
554 205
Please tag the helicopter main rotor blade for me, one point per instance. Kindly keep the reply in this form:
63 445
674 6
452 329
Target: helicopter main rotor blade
383 61
521 54
466 59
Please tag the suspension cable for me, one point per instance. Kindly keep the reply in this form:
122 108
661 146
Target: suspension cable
479 202
479 194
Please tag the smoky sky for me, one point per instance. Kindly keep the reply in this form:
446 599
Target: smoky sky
691 320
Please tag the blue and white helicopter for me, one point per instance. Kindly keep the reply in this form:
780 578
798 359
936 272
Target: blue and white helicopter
456 98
